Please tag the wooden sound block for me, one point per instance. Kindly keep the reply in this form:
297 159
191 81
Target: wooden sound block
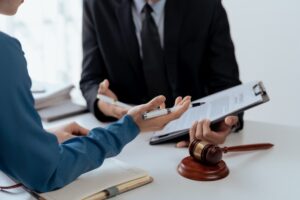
191 169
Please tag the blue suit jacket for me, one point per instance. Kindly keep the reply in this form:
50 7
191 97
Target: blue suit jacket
30 154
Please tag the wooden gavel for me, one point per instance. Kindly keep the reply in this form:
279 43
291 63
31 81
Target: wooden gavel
210 154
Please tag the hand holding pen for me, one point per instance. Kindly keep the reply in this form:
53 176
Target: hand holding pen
110 106
165 111
158 123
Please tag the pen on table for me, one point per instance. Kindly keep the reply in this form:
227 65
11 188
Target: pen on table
165 111
37 91
112 101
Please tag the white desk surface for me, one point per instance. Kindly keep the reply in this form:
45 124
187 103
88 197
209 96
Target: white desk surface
271 174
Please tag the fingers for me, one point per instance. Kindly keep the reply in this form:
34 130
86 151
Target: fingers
164 120
204 132
192 131
153 104
231 120
178 112
178 100
83 131
106 108
199 130
211 136
162 106
157 123
206 129
78 130
182 144
181 108
185 99
103 86
63 136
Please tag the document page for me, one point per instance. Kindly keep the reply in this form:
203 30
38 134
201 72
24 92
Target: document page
216 107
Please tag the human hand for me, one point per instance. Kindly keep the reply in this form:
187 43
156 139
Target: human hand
159 122
106 108
69 131
201 130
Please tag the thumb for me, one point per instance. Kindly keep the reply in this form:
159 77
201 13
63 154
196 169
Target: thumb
103 87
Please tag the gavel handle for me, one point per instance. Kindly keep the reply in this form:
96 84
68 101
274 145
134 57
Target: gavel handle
249 147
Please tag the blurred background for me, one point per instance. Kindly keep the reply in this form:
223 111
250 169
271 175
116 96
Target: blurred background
266 34
50 33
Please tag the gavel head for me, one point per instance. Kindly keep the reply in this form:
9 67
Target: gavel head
205 153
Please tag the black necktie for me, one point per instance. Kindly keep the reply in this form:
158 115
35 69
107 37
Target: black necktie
153 57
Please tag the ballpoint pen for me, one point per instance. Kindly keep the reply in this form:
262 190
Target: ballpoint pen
112 101
165 111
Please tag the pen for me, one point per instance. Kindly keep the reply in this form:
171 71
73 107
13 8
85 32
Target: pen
109 100
165 111
38 91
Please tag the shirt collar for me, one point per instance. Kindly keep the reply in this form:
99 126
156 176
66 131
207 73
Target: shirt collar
157 7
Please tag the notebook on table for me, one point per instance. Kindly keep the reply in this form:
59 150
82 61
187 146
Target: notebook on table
112 178
214 107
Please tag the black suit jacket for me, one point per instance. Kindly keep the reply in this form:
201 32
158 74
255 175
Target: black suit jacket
198 50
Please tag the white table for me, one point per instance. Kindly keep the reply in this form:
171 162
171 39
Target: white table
272 174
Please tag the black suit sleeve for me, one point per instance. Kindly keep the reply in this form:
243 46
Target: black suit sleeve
93 66
223 67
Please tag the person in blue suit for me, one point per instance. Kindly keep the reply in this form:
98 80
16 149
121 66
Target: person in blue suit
42 160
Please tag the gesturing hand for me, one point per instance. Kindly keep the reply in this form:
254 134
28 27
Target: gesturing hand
158 122
106 108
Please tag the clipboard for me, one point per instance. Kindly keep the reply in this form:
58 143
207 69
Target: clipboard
252 93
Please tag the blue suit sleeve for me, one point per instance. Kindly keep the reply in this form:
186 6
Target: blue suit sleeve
30 154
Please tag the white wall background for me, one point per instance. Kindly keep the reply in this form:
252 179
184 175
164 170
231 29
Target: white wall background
266 34
50 33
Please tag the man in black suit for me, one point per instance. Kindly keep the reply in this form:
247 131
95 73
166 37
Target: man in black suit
138 49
